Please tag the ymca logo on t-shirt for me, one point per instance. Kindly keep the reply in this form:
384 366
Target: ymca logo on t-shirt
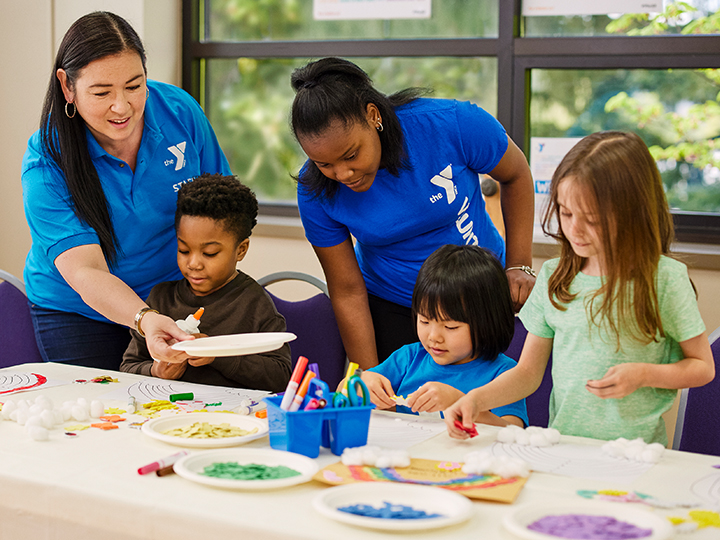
178 151
444 180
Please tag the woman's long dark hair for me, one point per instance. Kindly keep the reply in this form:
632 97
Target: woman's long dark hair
334 89
92 37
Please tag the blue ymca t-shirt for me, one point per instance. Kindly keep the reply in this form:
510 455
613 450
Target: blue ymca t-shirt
401 220
411 366
177 145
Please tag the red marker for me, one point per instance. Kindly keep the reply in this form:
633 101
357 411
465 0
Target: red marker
162 463
292 386
472 431
300 396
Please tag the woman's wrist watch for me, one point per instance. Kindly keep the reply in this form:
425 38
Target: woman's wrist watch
139 317
527 269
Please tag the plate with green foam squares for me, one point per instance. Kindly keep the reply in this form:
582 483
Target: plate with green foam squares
393 506
246 468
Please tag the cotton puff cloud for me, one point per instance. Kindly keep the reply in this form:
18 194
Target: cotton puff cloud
530 436
375 457
483 462
40 416
636 450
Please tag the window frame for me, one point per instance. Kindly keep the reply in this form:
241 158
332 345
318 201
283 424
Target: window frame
516 58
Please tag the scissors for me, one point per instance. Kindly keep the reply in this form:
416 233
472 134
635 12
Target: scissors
355 387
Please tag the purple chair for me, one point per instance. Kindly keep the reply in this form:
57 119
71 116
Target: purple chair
313 322
698 422
19 346
538 402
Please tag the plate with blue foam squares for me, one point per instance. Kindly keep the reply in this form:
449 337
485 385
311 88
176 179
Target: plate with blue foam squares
585 519
235 344
391 506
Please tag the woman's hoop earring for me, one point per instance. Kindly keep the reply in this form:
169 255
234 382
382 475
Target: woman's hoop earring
74 109
379 126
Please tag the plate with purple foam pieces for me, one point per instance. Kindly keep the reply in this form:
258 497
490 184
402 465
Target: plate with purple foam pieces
570 519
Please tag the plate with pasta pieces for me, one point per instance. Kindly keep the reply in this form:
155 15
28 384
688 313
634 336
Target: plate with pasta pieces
246 468
206 430
235 344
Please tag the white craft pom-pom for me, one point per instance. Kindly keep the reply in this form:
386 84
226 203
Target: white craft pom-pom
14 415
22 416
633 452
8 407
79 413
506 435
36 408
648 456
57 416
656 447
553 435
23 404
539 439
521 437
66 412
39 433
44 401
97 408
48 419
34 420
383 462
400 459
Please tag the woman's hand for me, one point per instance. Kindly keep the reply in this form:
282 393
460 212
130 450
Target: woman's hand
433 397
380 389
521 285
161 332
168 370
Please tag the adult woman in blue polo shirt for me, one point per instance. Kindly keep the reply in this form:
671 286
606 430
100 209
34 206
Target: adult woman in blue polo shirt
100 180
399 174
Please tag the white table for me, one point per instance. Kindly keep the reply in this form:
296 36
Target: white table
88 487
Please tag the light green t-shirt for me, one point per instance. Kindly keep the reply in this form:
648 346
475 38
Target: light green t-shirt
581 352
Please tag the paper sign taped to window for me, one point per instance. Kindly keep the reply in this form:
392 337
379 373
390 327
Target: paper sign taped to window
597 7
337 10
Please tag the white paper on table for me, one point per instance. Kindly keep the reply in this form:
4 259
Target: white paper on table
401 431
575 460
13 382
149 390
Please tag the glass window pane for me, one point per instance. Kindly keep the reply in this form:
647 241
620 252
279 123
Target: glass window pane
676 112
250 20
248 103
687 17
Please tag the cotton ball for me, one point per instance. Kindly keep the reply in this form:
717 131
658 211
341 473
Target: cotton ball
44 401
370 455
648 456
22 416
352 457
8 407
97 408
79 413
553 435
48 419
39 433
23 404
68 403
506 435
82 402
34 420
383 462
656 447
633 452
66 412
533 430
539 439
58 417
36 408
400 459
14 415
521 437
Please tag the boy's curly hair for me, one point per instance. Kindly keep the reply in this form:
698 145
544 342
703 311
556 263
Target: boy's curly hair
222 198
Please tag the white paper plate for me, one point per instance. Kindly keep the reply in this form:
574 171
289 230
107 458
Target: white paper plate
454 507
518 520
235 344
154 429
190 467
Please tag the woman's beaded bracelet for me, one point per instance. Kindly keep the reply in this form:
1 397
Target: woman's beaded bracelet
527 269
139 317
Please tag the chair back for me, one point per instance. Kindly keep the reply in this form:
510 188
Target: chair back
18 342
538 403
312 320
698 423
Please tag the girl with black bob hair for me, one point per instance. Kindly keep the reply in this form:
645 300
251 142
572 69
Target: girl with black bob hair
465 320
100 180
399 174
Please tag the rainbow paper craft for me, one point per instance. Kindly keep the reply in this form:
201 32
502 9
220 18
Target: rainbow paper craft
428 473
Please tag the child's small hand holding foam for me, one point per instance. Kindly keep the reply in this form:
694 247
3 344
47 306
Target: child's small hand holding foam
619 381
380 389
433 397
168 370
198 361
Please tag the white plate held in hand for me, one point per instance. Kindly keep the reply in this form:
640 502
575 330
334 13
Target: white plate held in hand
235 344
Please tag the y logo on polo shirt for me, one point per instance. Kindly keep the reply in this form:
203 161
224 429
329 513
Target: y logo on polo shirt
444 180
178 151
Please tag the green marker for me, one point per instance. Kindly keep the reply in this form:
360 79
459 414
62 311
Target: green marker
188 396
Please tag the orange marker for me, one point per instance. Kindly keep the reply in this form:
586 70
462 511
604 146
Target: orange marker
292 386
298 399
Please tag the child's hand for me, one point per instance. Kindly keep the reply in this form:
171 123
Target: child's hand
380 389
168 370
619 381
433 397
197 361
465 410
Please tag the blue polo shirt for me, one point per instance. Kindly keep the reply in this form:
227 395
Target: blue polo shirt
177 145
401 220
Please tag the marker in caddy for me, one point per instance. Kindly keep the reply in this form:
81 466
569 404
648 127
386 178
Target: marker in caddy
292 386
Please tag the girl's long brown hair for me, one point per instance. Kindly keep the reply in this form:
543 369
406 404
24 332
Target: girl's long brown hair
620 177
